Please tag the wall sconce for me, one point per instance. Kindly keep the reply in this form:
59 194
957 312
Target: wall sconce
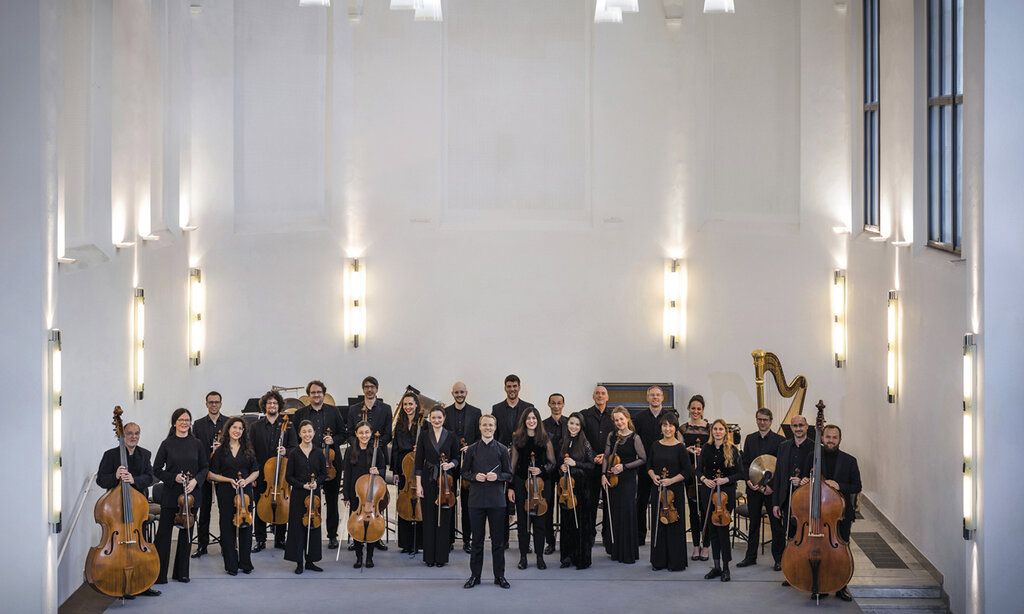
196 330
355 286
839 317
892 336
674 322
719 6
970 355
56 418
139 342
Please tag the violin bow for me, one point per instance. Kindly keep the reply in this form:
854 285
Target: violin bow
309 521
656 518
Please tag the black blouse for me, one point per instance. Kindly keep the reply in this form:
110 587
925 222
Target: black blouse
712 461
300 467
429 451
543 457
674 458
229 465
401 444
177 455
357 464
577 448
630 450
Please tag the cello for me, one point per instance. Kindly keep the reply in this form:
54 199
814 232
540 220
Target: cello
816 559
366 523
123 563
408 504
272 507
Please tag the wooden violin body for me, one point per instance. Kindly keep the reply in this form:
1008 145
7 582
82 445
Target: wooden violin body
123 563
366 523
667 512
536 504
187 504
312 502
720 516
243 514
816 559
272 507
567 490
329 454
445 486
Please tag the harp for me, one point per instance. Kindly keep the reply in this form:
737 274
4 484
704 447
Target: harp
774 397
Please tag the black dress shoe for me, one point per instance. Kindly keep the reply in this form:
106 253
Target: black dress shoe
522 563
279 545
332 543
549 549
232 573
312 566
565 563
150 592
785 583
164 581
260 547
746 563
298 568
467 549
128 597
200 552
247 570
358 563
428 564
380 545
439 564
540 563
184 580
714 573
844 594
777 566
352 547
473 581
725 575
502 582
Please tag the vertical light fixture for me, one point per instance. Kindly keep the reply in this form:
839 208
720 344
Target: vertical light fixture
892 354
196 330
719 6
674 322
606 14
56 424
427 10
139 342
355 288
839 317
970 371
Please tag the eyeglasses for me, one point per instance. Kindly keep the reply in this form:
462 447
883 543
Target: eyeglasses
764 419
213 402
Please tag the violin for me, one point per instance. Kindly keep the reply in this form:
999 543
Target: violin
613 459
312 503
366 523
272 507
332 471
720 500
667 512
123 563
445 488
243 515
408 502
464 483
536 504
217 438
566 489
816 559
186 515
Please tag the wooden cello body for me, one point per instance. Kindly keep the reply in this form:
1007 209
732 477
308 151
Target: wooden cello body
123 563
272 507
816 559
366 523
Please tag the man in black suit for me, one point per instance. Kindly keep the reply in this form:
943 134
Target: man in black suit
763 441
647 423
553 426
507 415
206 430
138 473
462 419
378 414
265 434
840 471
796 456
325 417
597 425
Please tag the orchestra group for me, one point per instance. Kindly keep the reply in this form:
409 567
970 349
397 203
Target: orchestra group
461 472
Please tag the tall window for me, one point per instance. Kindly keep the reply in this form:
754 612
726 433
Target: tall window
871 127
945 122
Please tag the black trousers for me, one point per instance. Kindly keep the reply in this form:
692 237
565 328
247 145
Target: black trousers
596 496
643 502
464 529
479 519
236 556
331 490
721 547
525 522
757 504
435 534
696 518
549 517
410 533
205 507
163 547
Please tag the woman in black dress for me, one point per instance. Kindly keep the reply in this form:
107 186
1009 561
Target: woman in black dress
179 453
532 454
360 460
696 433
407 426
435 443
621 541
668 457
577 459
234 465
720 464
306 472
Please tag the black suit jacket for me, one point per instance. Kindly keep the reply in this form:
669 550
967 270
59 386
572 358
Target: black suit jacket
784 468
139 465
470 422
846 473
508 418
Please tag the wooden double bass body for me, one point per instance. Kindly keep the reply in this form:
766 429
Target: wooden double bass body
816 559
123 563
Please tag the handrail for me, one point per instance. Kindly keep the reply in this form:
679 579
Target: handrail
82 498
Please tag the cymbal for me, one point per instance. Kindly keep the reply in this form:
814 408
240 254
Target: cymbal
305 400
762 469
292 403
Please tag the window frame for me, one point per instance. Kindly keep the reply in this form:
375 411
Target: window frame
871 159
944 70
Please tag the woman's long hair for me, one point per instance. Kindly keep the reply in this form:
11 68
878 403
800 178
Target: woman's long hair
581 439
243 441
354 442
540 436
728 447
629 418
402 420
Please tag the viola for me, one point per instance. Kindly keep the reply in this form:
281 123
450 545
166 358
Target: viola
613 459
123 563
332 471
445 488
720 500
667 512
567 489
816 559
272 507
536 504
311 519
243 515
187 504
366 523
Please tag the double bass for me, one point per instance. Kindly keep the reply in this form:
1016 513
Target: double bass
123 563
816 559
272 507
366 523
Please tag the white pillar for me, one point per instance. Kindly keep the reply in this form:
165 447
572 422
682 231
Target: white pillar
27 213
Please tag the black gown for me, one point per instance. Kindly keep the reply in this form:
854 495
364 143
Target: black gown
624 547
544 458
694 436
300 467
577 538
410 533
668 546
236 556
436 541
356 465
176 455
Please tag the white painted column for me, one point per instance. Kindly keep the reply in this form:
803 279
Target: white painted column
1002 327
28 216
